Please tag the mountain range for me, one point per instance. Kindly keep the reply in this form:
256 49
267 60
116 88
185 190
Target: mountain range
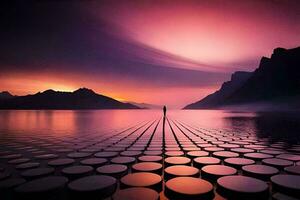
145 105
82 98
275 83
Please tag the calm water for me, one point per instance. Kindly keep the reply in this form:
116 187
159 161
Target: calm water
283 126
80 145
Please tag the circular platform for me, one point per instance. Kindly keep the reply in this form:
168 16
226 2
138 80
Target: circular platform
177 160
180 170
213 172
238 162
148 167
136 193
242 187
188 188
287 184
61 162
203 161
78 171
42 188
263 172
142 179
92 187
114 170
37 172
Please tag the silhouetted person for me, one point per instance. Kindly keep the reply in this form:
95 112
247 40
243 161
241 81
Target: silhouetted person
164 122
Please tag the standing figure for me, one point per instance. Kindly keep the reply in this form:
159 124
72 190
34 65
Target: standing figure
165 111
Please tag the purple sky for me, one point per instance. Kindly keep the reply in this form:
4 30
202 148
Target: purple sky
161 52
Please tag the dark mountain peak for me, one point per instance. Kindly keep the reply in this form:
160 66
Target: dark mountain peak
236 79
5 95
240 75
264 60
227 88
264 64
50 91
82 98
84 91
279 50
275 80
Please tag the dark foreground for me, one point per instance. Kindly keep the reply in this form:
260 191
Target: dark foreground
154 159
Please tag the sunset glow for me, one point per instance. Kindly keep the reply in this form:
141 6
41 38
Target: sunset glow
150 99
159 52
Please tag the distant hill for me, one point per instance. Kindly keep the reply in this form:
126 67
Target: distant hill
145 105
82 98
275 82
5 95
227 89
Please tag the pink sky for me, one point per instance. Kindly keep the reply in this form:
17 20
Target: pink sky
228 34
171 52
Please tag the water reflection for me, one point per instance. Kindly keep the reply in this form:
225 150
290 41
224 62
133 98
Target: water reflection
273 125
66 122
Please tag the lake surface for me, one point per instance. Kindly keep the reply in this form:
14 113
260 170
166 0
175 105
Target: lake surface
107 153
276 125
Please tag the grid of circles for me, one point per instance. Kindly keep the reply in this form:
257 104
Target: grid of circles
161 159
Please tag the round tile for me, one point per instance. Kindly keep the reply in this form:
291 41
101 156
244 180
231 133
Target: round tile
203 161
213 149
78 171
11 183
131 153
18 161
213 172
181 170
257 156
293 170
37 172
78 155
10 156
177 160
277 162
263 172
174 153
238 162
42 188
225 154
150 159
46 156
281 196
61 162
94 162
142 179
188 188
28 165
194 154
136 193
125 160
290 157
106 154
148 167
114 170
93 187
242 150
287 184
242 187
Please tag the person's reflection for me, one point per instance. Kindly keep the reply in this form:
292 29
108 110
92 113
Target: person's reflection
164 120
